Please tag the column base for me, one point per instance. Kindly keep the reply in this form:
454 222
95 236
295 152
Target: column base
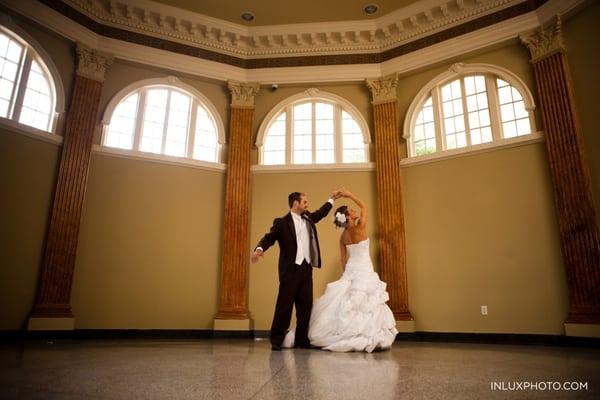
51 324
246 324
582 330
405 326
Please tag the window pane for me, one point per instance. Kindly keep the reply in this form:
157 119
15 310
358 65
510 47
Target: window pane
205 139
178 123
302 157
154 120
510 129
323 111
514 116
508 112
274 157
13 53
303 112
424 129
354 156
523 126
325 156
324 142
275 141
121 129
37 99
3 108
324 126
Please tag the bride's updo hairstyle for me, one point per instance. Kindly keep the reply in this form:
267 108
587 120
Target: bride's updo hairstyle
340 217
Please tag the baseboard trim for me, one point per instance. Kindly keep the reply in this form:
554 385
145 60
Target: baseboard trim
499 338
183 334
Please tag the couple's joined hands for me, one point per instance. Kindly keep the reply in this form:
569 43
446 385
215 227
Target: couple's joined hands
341 192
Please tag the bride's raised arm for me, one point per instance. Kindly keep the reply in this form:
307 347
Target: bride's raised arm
362 222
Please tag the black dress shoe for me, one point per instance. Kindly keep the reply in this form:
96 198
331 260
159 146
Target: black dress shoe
276 347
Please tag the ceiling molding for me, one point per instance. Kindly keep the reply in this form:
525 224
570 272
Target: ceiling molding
180 57
294 40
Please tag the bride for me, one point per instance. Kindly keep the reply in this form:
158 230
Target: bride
352 314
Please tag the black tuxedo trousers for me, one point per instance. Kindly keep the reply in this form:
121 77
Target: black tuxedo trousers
296 289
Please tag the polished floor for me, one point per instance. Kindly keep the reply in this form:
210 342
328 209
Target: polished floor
246 369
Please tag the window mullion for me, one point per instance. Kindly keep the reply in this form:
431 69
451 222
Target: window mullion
314 132
191 139
288 135
493 107
141 114
166 122
20 86
438 119
465 111
338 135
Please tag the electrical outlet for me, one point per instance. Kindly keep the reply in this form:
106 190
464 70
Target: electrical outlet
483 310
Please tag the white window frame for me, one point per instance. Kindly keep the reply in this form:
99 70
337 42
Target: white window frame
314 95
33 51
169 82
459 71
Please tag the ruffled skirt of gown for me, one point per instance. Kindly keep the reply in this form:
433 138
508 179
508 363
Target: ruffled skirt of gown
352 314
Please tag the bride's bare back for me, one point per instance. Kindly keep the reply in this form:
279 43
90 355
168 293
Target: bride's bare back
356 230
354 234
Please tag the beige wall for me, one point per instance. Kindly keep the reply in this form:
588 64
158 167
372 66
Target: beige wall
481 229
149 246
28 169
27 175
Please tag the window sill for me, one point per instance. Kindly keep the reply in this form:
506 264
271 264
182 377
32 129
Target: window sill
535 137
16 127
160 158
268 169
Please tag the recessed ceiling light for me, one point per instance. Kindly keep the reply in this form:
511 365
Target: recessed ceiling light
371 9
248 16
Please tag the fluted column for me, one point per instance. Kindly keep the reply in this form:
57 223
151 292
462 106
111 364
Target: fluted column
52 309
233 297
570 173
389 194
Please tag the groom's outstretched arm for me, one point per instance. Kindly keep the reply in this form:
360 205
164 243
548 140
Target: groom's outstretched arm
270 237
322 212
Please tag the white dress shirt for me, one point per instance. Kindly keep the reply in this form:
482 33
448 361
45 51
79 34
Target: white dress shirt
302 239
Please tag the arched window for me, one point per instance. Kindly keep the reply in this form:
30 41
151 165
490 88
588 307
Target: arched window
164 116
313 127
28 92
468 105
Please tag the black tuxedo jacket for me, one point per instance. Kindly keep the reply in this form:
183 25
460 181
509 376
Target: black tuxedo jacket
284 232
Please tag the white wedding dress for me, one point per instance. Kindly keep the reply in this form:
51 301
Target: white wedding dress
352 314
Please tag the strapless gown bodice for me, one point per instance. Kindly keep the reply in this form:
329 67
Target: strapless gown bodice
358 258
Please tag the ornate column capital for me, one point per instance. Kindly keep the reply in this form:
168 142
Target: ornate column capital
544 41
383 89
242 94
91 63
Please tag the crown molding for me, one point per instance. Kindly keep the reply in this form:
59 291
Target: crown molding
247 42
410 58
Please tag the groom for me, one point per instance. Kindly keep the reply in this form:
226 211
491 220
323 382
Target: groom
299 251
